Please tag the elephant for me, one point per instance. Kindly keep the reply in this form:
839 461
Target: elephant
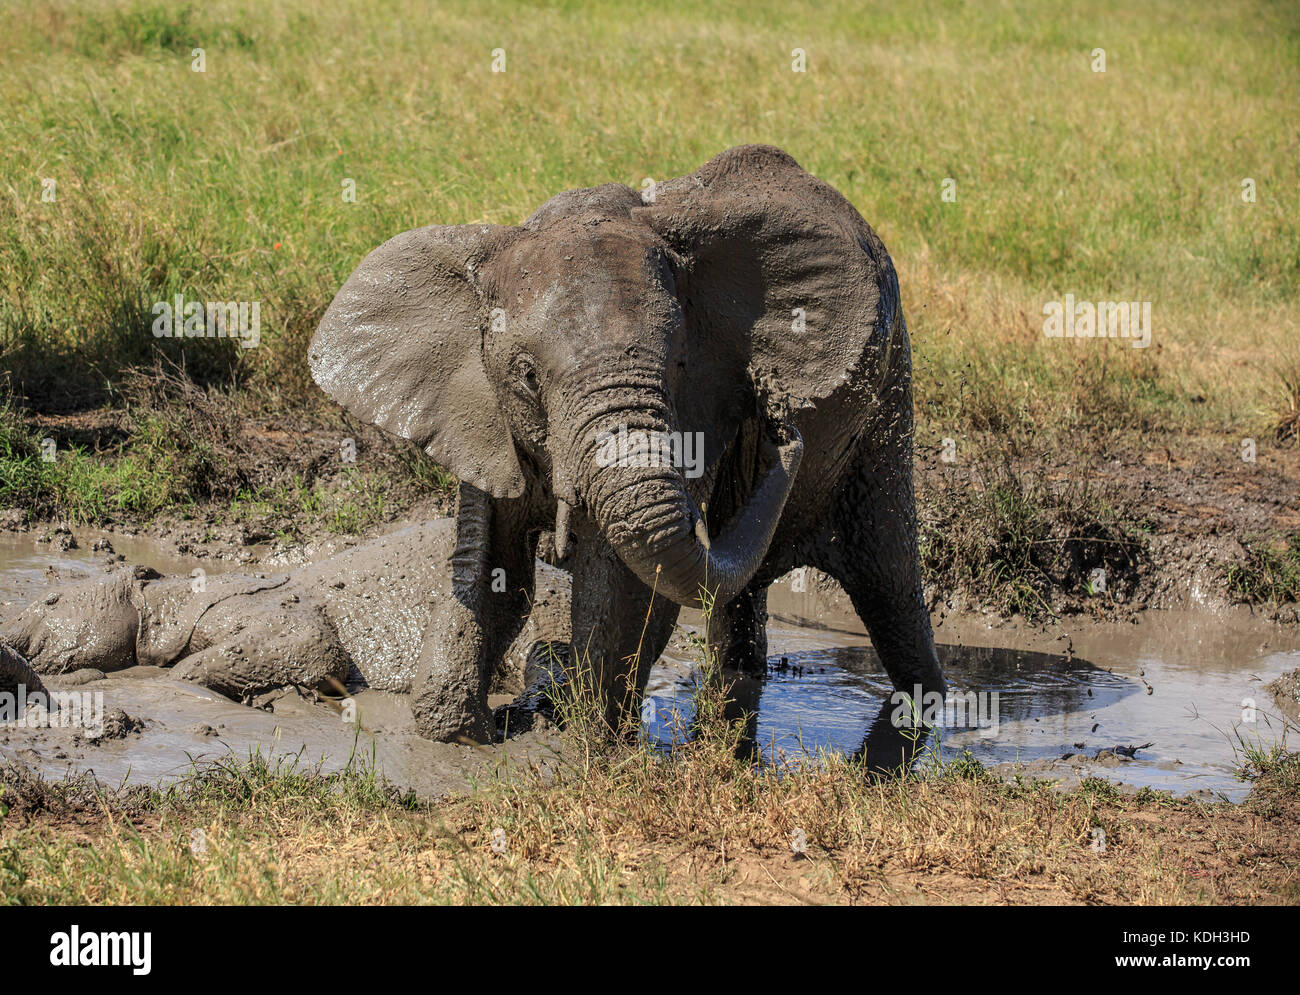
696 391
355 619
16 674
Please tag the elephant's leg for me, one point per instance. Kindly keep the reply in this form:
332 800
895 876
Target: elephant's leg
268 653
492 588
620 628
737 632
871 548
16 674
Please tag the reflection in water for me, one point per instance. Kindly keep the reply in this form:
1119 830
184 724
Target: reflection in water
839 699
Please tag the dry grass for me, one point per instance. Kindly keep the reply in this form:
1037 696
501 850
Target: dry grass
625 826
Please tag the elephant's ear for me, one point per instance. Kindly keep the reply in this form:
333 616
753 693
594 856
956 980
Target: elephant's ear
783 270
402 346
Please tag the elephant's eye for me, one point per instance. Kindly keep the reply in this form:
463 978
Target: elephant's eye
526 373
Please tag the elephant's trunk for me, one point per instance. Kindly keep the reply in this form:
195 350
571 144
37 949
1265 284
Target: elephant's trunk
642 506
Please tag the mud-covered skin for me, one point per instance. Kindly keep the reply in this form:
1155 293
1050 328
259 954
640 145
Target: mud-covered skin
749 303
355 619
547 672
17 675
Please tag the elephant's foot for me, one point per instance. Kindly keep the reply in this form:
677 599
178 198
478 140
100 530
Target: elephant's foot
547 673
447 713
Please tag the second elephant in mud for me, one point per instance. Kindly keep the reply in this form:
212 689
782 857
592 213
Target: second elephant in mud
355 619
565 369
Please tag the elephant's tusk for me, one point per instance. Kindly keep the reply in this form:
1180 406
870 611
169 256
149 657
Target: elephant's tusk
561 528
702 533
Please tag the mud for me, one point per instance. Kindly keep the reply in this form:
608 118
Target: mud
346 621
32 561
156 728
1286 692
1199 505
1157 703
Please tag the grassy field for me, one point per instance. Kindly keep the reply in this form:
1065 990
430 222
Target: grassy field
1002 171
228 184
630 827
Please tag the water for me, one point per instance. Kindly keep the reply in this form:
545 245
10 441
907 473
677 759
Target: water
1187 683
29 568
1184 682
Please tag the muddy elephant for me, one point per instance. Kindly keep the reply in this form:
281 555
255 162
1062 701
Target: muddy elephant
696 391
352 620
16 674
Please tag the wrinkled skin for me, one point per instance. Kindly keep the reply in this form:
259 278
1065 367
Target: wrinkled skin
355 619
16 674
749 303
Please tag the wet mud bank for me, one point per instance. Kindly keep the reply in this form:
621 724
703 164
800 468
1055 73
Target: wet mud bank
1163 702
156 729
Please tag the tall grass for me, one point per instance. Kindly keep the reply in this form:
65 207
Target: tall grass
227 184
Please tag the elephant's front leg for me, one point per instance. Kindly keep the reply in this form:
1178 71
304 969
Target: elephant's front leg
620 628
737 632
492 588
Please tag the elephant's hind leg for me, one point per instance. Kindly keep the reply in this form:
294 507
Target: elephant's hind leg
245 656
870 547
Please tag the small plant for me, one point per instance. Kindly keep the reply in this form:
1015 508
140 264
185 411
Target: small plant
1270 572
1100 789
965 766
1257 761
1287 426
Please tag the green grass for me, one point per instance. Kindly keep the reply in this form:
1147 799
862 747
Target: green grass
227 184
79 485
181 460
1269 573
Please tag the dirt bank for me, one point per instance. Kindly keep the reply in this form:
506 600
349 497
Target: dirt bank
1185 525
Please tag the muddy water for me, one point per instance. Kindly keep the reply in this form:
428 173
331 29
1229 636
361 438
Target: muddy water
1181 682
1187 683
29 568
1198 688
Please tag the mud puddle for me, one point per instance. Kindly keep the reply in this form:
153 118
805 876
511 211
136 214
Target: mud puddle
157 728
29 568
1072 701
174 725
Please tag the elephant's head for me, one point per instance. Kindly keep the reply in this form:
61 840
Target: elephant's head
513 355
